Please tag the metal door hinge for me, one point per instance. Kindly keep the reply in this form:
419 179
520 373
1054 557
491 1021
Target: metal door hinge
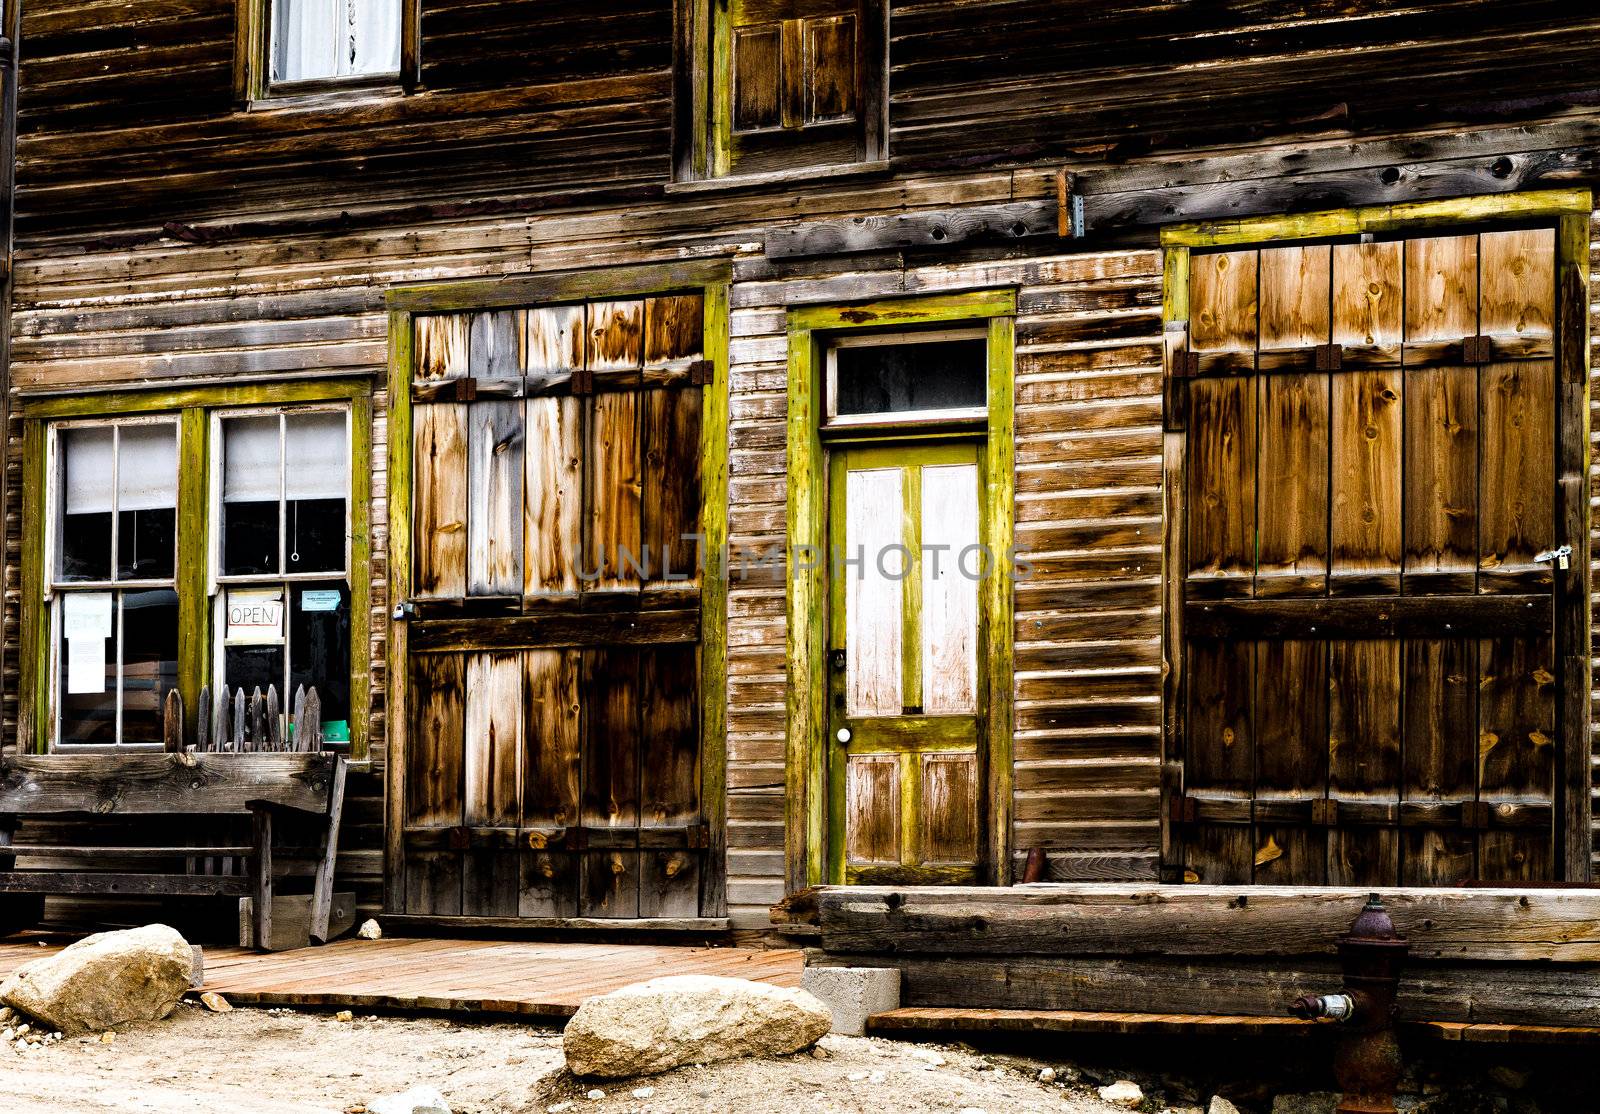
1561 555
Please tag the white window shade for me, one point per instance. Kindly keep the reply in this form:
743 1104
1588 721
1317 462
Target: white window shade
250 459
87 469
314 447
147 467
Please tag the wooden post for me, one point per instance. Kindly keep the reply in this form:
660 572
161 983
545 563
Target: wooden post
172 723
322 888
202 720
262 817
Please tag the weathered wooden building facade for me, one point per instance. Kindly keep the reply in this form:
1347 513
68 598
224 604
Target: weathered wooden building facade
533 377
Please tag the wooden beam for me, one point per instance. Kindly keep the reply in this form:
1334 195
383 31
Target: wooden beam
1465 993
147 784
1516 924
1015 220
101 882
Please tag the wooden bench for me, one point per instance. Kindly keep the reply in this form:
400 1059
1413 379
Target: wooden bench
106 787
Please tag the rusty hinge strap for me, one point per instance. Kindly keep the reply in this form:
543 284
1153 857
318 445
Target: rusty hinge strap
1476 350
1330 357
582 381
1325 813
702 372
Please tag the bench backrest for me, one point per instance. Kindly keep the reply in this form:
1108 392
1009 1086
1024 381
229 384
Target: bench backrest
151 784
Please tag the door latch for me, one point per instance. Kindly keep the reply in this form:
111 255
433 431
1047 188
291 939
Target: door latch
836 659
1561 555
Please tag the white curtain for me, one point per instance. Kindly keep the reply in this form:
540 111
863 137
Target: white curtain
375 36
250 460
315 452
334 38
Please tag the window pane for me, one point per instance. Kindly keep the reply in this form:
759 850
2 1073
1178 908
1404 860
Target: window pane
250 488
86 694
319 646
253 667
86 503
149 661
147 500
314 486
900 378
334 38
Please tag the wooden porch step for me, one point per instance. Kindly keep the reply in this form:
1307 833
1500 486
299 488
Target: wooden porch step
928 1019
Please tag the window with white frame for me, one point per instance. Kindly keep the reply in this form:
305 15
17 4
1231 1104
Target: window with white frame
908 377
323 40
113 603
281 557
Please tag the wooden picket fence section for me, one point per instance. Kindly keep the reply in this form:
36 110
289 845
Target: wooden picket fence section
240 723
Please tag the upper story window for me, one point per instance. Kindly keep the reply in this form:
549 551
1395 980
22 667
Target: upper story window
307 47
322 39
788 85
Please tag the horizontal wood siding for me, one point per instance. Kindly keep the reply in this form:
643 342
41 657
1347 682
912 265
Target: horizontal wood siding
127 109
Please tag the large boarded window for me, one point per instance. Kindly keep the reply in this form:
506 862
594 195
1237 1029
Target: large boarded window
1370 561
553 751
788 84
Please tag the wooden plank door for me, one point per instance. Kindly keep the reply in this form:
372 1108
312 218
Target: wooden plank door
553 756
906 687
1369 599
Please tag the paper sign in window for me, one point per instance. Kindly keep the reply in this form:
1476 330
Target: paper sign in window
255 616
319 599
86 615
86 624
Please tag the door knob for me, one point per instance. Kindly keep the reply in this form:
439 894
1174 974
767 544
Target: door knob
843 735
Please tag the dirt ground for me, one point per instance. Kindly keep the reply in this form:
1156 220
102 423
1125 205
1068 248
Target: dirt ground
278 1062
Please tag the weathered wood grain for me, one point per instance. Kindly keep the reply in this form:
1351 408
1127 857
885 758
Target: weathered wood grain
1519 924
152 784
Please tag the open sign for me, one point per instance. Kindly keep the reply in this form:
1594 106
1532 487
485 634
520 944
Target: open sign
255 615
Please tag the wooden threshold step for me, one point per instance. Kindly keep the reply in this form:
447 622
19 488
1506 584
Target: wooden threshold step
926 1019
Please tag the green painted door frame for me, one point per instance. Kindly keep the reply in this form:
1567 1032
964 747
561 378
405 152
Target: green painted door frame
807 844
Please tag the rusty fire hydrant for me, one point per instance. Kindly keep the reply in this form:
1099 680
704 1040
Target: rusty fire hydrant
1367 1060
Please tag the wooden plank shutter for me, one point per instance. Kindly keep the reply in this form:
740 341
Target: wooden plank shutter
1371 684
554 766
801 76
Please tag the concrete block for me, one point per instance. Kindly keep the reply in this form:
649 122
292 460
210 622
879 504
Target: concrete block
853 993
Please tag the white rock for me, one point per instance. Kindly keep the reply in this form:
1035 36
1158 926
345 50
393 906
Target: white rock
643 1092
1220 1105
856 1076
595 1095
557 1108
689 1019
1047 1075
1123 1092
418 1100
370 930
137 974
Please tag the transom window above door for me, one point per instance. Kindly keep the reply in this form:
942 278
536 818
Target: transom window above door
907 378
